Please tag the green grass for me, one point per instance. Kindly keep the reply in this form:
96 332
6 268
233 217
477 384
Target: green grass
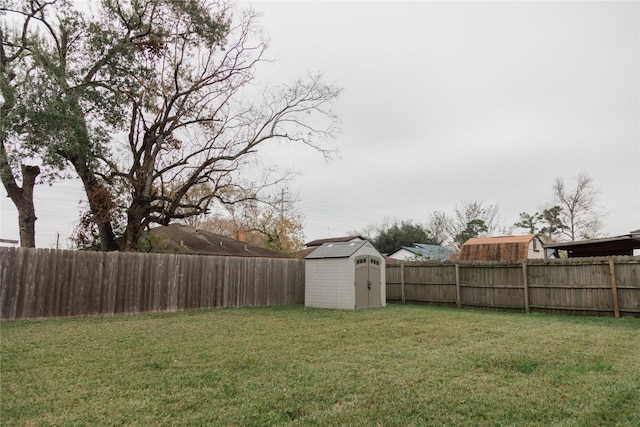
397 366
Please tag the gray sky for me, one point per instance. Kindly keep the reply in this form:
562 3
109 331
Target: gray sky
447 102
452 101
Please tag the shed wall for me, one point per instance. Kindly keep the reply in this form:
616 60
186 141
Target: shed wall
383 283
536 251
329 283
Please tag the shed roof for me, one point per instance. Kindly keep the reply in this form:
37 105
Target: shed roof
319 242
336 250
500 248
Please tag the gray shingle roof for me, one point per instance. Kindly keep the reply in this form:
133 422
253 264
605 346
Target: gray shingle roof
319 242
336 250
177 238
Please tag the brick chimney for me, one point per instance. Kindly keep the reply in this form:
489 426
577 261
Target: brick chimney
240 235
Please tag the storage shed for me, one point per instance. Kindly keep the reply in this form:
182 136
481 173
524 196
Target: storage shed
346 275
502 248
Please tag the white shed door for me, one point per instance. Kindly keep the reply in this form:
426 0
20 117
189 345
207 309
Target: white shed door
368 287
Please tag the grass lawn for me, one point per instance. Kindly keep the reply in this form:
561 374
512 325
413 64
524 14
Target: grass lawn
396 366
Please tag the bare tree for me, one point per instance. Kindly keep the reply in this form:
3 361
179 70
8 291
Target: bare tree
579 208
466 211
270 221
469 219
273 223
193 127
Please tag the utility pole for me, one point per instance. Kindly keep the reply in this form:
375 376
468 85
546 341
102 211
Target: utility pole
282 192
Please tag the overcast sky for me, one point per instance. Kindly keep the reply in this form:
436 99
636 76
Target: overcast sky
451 101
445 102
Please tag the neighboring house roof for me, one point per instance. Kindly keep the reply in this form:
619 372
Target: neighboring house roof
401 254
501 248
433 251
336 250
609 246
320 242
423 250
184 239
306 251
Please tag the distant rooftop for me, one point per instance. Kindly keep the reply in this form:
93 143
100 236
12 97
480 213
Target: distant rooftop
434 252
526 238
319 242
179 238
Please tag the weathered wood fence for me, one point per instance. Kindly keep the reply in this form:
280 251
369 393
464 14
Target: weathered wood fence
37 283
592 286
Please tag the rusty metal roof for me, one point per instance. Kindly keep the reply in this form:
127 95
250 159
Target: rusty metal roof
500 248
526 238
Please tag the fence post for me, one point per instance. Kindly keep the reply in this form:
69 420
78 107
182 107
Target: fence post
458 297
525 286
402 287
614 288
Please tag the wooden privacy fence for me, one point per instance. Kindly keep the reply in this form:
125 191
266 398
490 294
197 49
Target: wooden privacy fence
36 283
603 286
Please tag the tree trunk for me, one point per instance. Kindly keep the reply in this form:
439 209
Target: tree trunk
26 210
22 198
134 229
101 205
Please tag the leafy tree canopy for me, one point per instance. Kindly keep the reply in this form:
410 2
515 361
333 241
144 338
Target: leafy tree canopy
405 233
547 223
474 228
